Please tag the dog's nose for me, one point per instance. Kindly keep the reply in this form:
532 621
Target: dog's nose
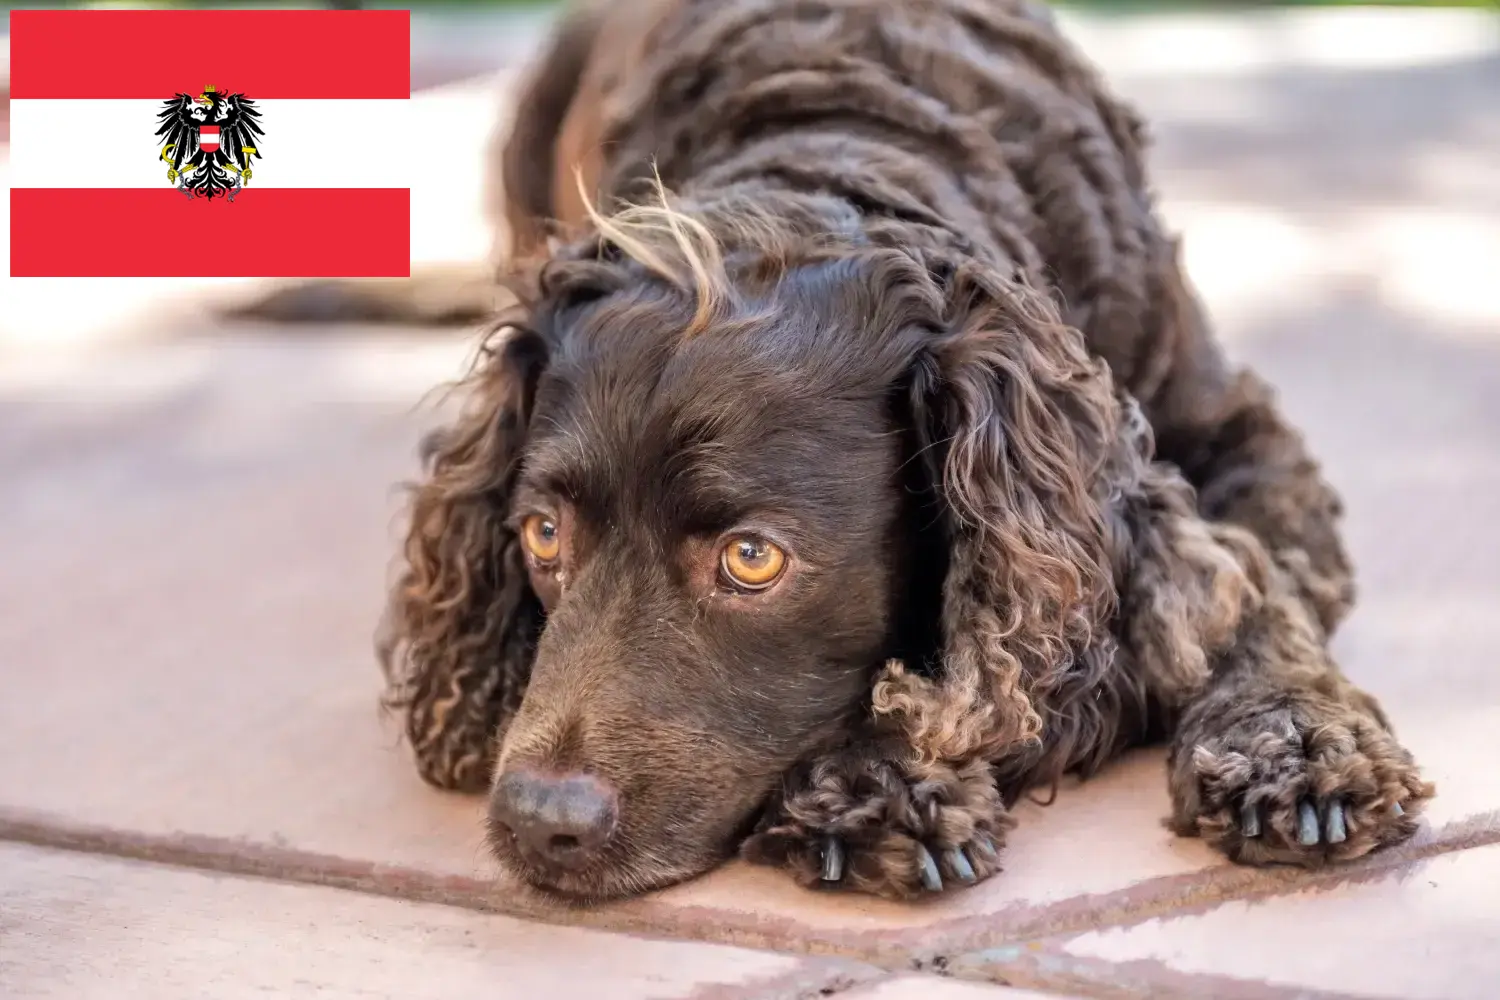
564 818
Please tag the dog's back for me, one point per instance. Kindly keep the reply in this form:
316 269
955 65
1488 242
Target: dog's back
975 115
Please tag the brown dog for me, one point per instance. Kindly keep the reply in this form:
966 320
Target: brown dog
885 469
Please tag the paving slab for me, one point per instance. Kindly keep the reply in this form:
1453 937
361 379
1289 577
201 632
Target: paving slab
87 928
1428 931
195 534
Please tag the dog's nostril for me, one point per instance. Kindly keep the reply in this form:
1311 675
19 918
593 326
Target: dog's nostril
564 819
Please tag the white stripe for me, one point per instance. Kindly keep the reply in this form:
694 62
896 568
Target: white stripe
113 144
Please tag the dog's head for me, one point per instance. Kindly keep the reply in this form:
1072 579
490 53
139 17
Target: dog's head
702 498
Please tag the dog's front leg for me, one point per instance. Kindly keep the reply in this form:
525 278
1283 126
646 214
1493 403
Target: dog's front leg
1281 759
870 816
1276 755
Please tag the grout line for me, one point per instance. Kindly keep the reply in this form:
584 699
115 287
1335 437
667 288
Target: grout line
1035 957
1018 945
1175 896
247 858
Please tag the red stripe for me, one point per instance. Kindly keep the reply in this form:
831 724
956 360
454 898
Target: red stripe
310 54
265 233
208 130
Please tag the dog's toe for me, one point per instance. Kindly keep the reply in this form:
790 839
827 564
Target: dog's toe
833 859
932 879
1249 821
1319 785
1328 825
1307 823
1335 828
888 862
866 826
959 863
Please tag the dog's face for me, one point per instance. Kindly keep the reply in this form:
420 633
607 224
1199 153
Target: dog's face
692 536
719 528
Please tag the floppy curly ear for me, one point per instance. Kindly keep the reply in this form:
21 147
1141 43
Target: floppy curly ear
462 622
1016 422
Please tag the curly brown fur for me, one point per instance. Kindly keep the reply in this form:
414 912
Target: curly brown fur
461 628
909 315
1279 730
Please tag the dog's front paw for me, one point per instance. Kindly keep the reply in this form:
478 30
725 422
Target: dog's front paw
1303 784
854 820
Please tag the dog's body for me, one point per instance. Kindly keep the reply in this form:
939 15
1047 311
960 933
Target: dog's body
910 335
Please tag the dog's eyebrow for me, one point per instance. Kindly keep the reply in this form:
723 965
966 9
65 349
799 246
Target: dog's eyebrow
722 482
529 498
559 462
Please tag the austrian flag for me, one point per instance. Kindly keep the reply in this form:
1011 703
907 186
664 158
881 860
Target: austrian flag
210 143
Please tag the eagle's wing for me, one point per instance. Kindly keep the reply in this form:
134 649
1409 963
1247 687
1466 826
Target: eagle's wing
241 128
177 128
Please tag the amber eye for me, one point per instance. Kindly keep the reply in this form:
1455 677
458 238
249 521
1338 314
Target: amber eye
752 563
542 538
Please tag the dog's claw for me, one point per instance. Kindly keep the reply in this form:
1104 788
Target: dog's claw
986 846
1307 824
959 862
833 859
1335 829
1396 810
931 880
1249 821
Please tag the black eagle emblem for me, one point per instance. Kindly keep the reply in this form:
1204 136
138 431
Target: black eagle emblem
208 141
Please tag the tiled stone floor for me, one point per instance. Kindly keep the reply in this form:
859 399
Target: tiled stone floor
194 529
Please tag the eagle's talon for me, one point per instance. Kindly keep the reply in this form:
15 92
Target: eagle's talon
181 123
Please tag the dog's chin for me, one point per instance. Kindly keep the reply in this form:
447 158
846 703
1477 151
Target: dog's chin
610 879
